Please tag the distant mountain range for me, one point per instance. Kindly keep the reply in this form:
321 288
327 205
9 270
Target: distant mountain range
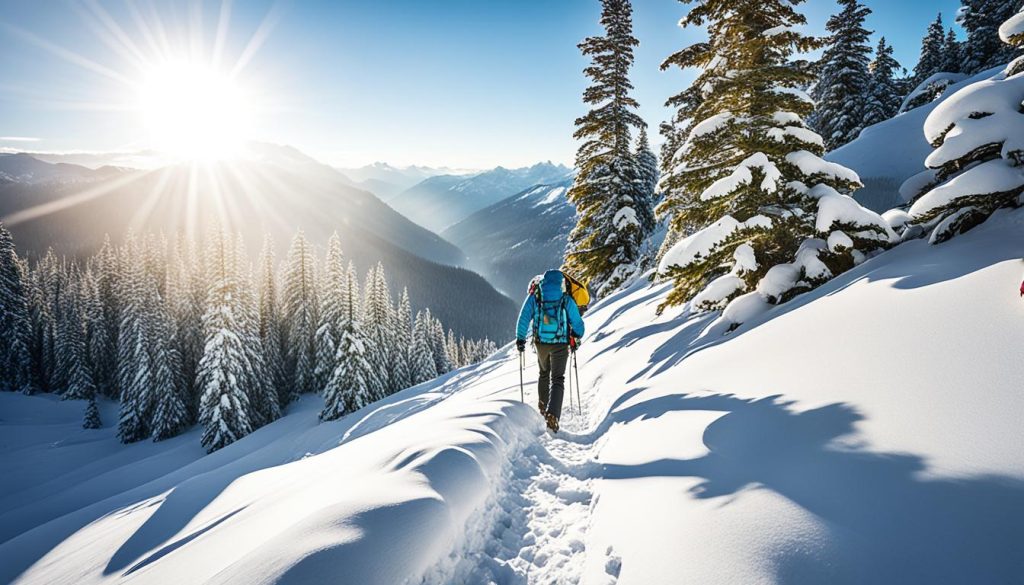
511 241
444 200
275 189
385 181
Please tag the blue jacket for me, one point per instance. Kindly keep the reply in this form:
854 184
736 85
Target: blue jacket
529 311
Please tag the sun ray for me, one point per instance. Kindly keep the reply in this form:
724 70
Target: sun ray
111 34
69 201
220 40
258 38
69 56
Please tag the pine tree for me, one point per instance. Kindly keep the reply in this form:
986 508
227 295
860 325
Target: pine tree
380 329
647 163
932 59
185 299
223 370
15 320
135 368
352 383
402 375
264 402
171 414
843 82
271 339
952 53
332 311
981 19
92 416
605 247
421 359
72 350
884 91
52 279
103 348
451 346
749 175
437 344
978 163
300 315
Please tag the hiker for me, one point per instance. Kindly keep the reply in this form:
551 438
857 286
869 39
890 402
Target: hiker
555 315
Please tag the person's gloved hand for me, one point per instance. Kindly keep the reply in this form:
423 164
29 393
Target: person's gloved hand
521 345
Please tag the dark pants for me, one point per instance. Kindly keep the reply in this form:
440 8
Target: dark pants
552 359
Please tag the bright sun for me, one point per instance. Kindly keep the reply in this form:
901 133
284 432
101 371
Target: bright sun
194 112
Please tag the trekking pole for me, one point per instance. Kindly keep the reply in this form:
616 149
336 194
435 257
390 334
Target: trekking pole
579 401
521 365
570 390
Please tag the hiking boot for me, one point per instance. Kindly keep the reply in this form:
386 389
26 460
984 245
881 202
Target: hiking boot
552 422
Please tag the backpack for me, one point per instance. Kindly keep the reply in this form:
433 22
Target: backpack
552 292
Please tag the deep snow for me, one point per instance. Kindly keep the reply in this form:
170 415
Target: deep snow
866 432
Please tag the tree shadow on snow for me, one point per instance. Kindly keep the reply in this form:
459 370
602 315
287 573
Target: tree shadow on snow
887 521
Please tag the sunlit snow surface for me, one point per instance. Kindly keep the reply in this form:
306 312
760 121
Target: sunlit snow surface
867 432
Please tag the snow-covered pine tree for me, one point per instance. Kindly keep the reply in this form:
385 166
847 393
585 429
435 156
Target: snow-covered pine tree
843 76
15 319
380 329
72 350
52 279
91 420
332 310
223 373
421 359
749 178
271 339
352 383
437 344
103 345
171 414
451 346
978 161
981 19
300 315
263 396
884 90
186 296
401 374
932 58
952 53
136 371
647 163
605 246
645 192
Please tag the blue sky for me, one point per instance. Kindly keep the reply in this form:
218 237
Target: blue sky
462 83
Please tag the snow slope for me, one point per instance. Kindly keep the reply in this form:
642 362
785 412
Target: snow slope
895 149
866 432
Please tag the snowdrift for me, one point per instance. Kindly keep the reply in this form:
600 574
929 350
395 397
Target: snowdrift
866 432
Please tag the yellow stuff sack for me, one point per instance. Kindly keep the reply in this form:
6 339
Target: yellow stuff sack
578 291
